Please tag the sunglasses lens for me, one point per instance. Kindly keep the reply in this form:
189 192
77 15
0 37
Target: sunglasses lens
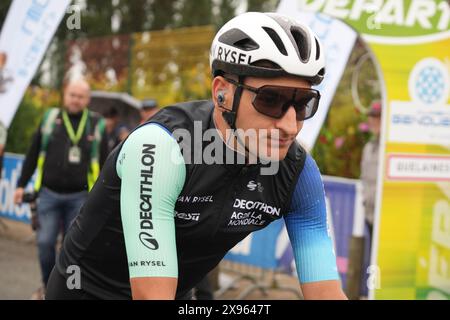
269 101
306 104
275 101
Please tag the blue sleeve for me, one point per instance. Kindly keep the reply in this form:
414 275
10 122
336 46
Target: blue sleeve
307 227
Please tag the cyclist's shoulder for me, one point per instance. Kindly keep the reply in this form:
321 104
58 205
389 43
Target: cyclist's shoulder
191 109
150 132
309 188
295 157
150 140
310 176
184 115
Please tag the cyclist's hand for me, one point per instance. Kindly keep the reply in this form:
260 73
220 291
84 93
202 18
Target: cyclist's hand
18 195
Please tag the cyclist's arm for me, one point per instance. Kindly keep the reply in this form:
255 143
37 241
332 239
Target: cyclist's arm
307 228
152 170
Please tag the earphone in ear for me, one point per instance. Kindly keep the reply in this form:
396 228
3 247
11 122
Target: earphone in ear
221 98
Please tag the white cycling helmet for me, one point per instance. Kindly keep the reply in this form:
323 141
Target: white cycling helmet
292 48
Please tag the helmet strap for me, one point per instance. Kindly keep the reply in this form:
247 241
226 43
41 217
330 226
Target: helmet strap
230 116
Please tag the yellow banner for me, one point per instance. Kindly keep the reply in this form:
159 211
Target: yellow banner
413 246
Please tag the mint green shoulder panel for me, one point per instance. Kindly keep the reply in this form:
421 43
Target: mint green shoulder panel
153 172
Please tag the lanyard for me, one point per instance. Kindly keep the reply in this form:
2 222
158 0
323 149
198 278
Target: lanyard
75 138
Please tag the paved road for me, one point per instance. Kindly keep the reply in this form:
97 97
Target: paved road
20 275
19 269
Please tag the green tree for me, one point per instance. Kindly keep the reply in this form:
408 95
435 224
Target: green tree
35 102
19 134
134 15
195 13
163 12
262 5
227 10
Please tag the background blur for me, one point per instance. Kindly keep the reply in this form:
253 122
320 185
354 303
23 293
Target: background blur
113 49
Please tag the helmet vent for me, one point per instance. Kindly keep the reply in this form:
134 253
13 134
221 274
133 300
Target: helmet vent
302 42
246 44
238 39
266 64
276 39
317 49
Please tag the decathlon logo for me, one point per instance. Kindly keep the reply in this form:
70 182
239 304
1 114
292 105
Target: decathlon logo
146 184
148 241
252 186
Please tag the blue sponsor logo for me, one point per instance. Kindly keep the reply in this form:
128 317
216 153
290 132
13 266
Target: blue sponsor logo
425 120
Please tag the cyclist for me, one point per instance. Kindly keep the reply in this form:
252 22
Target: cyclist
162 215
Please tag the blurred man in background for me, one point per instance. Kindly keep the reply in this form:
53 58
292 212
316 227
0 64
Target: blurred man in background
116 132
67 150
149 109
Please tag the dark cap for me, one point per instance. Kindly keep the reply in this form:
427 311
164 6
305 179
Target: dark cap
149 104
111 113
375 109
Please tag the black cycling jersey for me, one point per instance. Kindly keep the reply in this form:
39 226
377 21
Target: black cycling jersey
206 211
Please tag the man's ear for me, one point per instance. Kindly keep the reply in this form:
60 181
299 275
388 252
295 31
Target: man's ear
220 92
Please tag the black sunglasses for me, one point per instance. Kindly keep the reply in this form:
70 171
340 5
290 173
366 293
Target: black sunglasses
275 101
